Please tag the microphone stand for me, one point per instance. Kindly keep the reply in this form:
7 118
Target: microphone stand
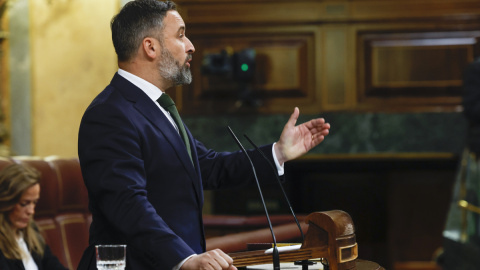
304 263
279 183
275 254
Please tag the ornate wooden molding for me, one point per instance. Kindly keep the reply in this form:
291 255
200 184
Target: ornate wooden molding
284 11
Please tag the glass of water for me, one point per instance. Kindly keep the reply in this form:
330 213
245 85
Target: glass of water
110 257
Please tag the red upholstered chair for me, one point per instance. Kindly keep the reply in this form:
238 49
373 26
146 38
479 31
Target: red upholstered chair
73 227
73 217
72 192
52 234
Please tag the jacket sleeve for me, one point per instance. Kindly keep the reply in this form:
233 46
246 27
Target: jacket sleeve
222 170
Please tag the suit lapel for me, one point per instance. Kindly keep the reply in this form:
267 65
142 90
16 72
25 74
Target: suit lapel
198 184
150 111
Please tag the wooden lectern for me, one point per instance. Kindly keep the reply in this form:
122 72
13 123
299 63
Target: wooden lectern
330 236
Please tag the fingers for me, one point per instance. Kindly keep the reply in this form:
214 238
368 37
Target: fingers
294 117
324 129
218 259
211 260
226 260
319 126
317 123
319 130
316 139
314 125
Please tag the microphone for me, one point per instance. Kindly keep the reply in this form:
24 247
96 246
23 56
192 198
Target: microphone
279 183
303 263
275 254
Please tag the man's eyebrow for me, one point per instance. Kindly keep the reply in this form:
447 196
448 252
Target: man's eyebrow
182 28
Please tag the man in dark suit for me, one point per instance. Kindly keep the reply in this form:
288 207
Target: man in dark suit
144 181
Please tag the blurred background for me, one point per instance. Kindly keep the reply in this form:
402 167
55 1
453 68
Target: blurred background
386 74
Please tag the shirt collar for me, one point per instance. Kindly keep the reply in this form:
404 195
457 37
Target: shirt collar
150 90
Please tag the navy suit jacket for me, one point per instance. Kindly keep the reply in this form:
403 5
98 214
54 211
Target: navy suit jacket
143 189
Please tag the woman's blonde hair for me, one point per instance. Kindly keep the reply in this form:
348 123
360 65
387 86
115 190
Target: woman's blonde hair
15 179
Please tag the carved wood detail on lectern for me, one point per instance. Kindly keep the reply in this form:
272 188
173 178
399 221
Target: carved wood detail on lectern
330 236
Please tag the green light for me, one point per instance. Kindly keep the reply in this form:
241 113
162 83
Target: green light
244 67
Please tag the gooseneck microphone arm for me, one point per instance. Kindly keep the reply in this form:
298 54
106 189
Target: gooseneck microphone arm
279 183
275 254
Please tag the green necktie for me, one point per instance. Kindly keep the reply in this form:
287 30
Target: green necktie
167 103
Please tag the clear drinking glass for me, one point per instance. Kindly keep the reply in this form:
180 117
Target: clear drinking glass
110 257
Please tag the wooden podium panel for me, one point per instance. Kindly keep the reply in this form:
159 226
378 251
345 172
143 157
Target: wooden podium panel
290 266
330 236
360 265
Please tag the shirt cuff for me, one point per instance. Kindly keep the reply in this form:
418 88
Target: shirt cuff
179 265
280 169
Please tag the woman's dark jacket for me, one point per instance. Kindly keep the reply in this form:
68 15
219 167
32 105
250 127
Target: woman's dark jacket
48 262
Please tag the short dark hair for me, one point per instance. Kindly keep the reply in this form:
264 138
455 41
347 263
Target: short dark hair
135 21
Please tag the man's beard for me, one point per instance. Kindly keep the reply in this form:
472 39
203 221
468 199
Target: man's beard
172 70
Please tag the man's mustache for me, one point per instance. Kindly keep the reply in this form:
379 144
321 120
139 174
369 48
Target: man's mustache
188 58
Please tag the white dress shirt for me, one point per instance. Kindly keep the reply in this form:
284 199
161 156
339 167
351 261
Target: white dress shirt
27 259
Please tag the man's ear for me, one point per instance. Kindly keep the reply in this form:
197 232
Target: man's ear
151 47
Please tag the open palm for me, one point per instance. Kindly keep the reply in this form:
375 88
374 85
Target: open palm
295 141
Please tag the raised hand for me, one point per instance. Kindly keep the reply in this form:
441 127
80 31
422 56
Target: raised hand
295 141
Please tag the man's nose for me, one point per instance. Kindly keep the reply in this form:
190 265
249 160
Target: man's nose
189 46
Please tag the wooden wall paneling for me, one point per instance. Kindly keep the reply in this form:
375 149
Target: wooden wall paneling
412 9
334 66
336 10
337 76
406 67
415 60
231 11
397 201
202 12
285 74
352 69
363 55
418 202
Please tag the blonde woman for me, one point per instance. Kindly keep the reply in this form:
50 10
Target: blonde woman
21 245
